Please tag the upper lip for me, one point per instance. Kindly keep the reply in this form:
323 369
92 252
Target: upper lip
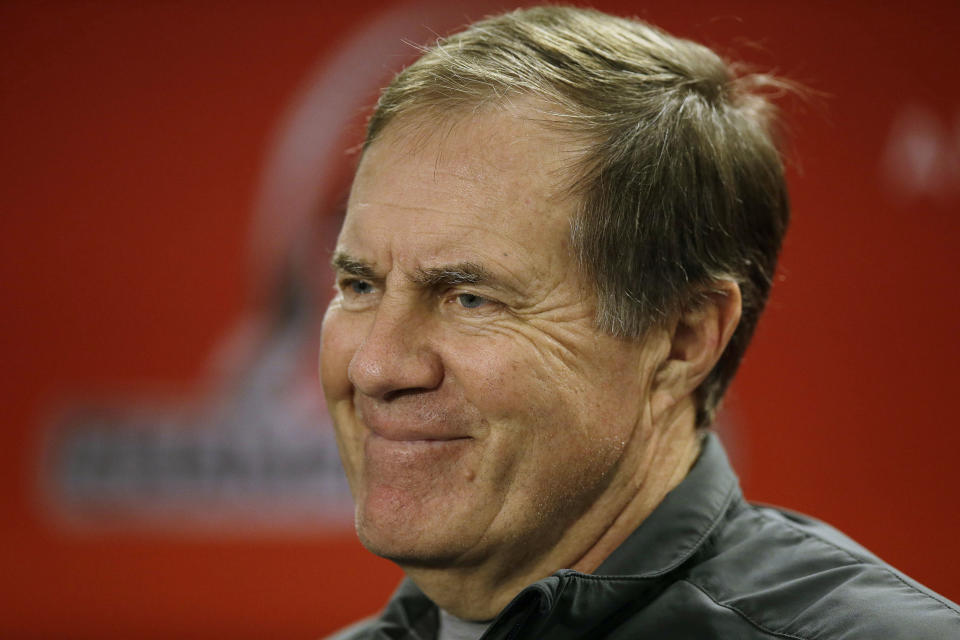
408 424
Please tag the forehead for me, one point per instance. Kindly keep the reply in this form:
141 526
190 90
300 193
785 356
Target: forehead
499 171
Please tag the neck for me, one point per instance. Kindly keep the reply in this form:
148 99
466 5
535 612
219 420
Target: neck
644 477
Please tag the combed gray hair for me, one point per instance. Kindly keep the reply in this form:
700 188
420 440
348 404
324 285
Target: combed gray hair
680 182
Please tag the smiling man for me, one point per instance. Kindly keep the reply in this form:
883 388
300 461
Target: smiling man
559 239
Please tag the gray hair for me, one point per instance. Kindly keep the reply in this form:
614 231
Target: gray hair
679 182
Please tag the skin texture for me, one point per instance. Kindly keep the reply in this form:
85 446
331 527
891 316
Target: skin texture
490 433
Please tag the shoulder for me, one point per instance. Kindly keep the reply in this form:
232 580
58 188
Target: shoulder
792 576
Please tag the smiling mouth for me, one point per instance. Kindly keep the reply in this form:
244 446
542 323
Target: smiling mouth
413 453
391 431
426 428
397 437
416 439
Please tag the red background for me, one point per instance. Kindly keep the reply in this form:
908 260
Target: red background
133 138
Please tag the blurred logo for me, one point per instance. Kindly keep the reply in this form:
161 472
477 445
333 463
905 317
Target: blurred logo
256 449
922 156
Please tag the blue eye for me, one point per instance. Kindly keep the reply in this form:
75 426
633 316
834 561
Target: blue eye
470 301
360 287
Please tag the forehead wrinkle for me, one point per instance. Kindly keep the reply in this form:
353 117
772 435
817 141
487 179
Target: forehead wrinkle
407 207
477 178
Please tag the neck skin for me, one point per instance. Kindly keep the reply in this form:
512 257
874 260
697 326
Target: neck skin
480 592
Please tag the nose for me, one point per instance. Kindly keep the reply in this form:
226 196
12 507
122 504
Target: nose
395 357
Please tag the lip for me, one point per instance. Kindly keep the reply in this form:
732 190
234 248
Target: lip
416 426
411 450
414 443
396 462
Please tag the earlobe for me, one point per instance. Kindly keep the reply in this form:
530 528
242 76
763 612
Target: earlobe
701 334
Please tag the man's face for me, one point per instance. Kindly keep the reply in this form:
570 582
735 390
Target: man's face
478 410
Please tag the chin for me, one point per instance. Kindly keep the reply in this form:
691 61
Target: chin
407 544
419 553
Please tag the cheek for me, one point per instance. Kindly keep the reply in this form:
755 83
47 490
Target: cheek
552 405
338 340
498 374
336 350
525 394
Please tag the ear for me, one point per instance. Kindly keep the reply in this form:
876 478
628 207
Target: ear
699 338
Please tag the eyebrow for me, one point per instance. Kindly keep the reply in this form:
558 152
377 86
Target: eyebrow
453 275
344 263
428 277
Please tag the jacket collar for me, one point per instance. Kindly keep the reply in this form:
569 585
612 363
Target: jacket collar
409 614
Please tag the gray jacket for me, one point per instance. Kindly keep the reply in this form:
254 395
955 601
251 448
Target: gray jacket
706 564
